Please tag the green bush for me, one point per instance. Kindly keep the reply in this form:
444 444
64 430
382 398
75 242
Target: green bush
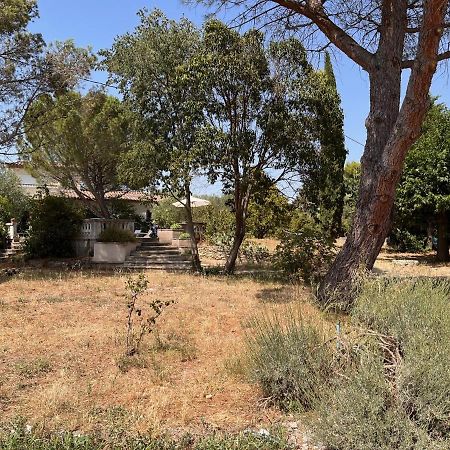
405 241
3 235
306 254
112 234
290 361
54 222
358 413
399 396
254 253
175 226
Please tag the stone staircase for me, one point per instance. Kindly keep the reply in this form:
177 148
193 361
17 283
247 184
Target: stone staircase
152 254
14 250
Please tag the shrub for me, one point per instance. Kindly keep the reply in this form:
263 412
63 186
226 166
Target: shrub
175 226
140 320
290 361
306 254
416 313
254 253
404 241
113 234
55 222
359 414
184 236
399 395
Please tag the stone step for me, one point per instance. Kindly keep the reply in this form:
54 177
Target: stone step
158 251
136 266
158 258
156 248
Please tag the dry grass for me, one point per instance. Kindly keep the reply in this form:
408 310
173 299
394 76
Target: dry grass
63 336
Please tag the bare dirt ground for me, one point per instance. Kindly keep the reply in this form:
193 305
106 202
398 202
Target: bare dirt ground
62 336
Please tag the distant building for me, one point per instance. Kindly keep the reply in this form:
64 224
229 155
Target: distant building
138 200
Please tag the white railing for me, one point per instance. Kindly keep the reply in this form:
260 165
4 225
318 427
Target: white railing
91 228
13 235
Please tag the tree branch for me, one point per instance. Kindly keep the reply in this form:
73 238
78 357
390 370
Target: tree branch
314 11
408 64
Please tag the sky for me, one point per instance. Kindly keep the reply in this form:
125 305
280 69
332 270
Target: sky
98 22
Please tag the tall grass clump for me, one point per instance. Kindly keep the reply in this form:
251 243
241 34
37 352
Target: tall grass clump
398 396
290 359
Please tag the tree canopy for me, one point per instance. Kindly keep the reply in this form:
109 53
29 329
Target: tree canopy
158 73
80 143
423 195
29 68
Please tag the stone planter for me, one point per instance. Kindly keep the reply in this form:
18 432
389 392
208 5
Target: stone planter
112 252
167 235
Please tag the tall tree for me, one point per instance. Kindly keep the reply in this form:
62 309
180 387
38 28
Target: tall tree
158 73
383 37
424 189
79 143
324 188
29 68
259 115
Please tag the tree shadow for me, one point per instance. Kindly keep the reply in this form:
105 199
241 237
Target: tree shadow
277 295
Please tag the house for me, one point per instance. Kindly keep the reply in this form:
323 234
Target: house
138 200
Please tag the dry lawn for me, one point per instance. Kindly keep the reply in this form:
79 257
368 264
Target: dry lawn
62 337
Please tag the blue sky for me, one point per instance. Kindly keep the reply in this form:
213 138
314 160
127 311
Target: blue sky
97 22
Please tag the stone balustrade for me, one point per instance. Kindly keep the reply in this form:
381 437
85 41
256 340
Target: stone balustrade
91 230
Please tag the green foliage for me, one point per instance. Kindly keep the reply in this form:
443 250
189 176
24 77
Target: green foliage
13 200
54 222
217 216
324 187
255 253
359 414
79 144
404 241
256 91
423 194
352 173
28 68
157 70
113 234
306 253
15 437
184 236
290 361
155 67
165 214
399 394
268 211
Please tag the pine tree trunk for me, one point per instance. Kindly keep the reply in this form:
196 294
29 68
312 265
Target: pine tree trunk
390 133
442 245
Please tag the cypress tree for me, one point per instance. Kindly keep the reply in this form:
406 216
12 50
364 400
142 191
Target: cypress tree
324 190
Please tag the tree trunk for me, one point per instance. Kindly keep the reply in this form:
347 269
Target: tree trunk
390 134
196 263
241 209
239 235
430 227
442 245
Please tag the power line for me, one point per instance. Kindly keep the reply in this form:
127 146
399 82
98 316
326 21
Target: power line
354 140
